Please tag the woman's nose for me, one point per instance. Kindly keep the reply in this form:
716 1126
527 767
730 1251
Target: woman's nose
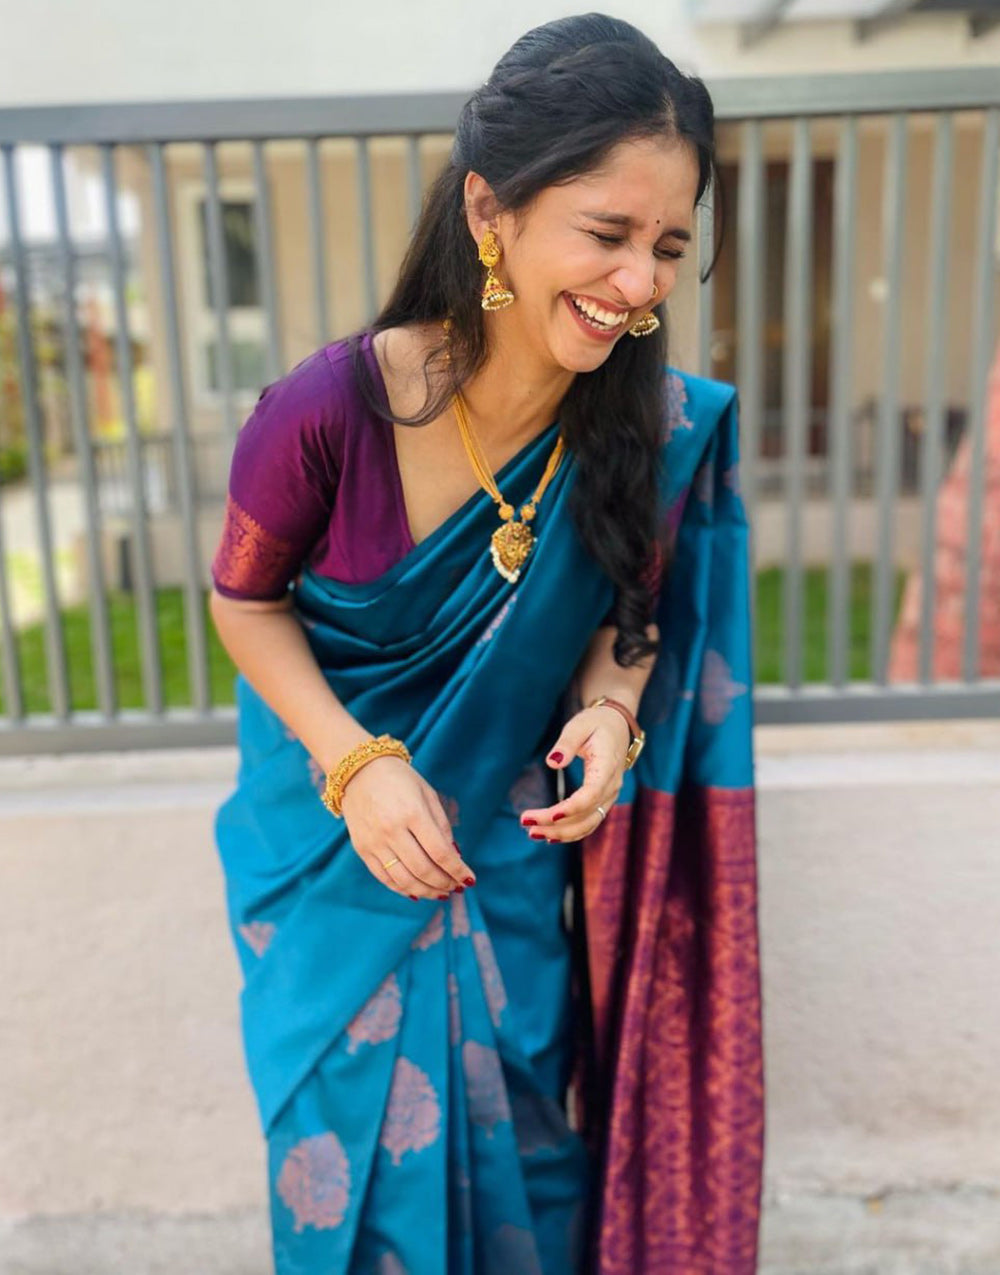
638 289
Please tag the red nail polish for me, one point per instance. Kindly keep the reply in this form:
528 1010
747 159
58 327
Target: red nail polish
444 896
538 836
470 880
414 898
459 889
560 815
555 757
528 823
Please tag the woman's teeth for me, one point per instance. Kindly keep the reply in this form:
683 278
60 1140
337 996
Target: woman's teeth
603 320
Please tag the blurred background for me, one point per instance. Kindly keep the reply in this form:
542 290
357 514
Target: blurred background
194 197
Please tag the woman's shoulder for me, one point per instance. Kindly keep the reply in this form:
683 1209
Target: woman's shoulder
316 402
313 384
689 390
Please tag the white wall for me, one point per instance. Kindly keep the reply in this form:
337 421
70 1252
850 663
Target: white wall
120 50
54 51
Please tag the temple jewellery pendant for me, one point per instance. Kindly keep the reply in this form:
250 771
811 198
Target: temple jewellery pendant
511 543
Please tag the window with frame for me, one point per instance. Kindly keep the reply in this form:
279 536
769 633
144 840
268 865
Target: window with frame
244 310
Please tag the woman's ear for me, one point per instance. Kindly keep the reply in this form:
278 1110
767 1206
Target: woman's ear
480 205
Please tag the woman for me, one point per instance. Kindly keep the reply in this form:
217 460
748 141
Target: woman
482 501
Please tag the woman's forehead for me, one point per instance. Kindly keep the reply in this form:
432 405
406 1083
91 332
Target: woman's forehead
636 190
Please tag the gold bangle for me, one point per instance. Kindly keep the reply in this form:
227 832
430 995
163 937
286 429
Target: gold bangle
349 765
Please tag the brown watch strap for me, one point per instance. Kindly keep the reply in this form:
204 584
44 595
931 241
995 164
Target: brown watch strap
626 712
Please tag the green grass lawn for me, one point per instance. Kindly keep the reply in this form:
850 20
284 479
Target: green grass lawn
770 639
170 626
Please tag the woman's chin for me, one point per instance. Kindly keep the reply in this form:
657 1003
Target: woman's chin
582 359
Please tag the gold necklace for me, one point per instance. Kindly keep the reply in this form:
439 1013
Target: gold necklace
511 543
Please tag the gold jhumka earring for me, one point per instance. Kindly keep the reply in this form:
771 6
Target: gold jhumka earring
646 324
495 295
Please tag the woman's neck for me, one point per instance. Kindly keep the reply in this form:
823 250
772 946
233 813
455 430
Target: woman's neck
514 395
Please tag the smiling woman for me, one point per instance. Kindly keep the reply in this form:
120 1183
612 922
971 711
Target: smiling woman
490 858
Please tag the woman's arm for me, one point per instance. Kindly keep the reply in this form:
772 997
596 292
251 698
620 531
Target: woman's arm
268 645
393 815
598 673
600 736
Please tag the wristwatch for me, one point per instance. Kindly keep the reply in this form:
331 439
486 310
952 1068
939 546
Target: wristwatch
638 734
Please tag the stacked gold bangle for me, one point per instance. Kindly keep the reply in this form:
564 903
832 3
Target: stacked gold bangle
349 765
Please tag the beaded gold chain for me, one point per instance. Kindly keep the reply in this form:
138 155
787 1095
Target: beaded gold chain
512 542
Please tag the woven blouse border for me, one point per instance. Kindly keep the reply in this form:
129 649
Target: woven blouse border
250 559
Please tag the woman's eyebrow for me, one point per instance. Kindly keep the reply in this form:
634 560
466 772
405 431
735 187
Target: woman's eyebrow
623 219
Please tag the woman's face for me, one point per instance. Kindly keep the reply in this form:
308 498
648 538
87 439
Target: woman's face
599 242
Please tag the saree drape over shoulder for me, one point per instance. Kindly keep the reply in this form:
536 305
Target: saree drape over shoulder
411 1060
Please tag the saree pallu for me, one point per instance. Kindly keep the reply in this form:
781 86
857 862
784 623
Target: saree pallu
411 1060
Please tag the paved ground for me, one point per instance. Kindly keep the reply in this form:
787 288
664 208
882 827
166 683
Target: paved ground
905 1233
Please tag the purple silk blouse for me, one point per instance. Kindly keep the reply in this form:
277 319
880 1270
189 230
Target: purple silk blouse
314 480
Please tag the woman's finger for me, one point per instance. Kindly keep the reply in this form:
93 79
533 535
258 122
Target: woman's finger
390 866
580 827
573 827
376 867
422 868
406 881
441 848
601 774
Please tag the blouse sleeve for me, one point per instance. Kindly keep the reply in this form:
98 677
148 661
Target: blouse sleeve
282 481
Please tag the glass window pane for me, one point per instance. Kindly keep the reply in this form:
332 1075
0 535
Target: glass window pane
240 249
247 360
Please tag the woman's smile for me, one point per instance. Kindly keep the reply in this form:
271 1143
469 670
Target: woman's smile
591 325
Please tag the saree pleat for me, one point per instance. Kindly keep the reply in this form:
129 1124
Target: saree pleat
411 1060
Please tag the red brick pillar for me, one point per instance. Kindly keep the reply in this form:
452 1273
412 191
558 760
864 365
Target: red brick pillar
949 566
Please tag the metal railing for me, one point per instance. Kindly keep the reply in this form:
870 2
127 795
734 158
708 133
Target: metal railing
749 105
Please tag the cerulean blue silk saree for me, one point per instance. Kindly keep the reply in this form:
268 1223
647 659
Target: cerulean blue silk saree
499 1084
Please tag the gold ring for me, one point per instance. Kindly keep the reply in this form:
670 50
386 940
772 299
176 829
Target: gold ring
391 862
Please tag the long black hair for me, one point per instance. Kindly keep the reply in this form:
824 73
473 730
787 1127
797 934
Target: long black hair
562 97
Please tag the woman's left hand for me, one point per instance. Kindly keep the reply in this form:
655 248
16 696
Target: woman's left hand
600 736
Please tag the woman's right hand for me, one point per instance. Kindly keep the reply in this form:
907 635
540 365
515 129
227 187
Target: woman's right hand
391 812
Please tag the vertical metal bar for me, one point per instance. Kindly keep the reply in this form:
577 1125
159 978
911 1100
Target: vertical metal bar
152 679
937 330
55 647
751 253
365 213
414 180
219 274
265 261
317 223
797 376
194 612
983 342
100 628
10 665
705 215
887 465
839 433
